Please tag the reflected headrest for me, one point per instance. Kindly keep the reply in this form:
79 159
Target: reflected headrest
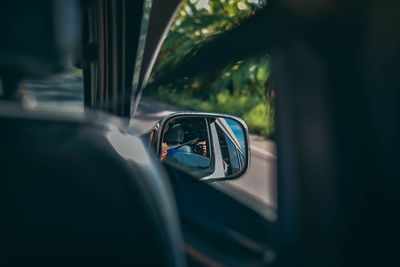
174 135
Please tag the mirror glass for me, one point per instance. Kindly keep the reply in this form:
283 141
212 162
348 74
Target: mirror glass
208 147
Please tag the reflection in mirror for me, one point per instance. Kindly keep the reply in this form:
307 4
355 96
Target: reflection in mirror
207 147
232 145
186 143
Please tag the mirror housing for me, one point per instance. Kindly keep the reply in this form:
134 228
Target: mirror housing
209 146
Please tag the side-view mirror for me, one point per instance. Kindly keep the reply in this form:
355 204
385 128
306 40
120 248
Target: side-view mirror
209 146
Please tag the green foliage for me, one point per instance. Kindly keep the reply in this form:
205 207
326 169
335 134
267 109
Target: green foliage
260 119
197 22
256 111
239 89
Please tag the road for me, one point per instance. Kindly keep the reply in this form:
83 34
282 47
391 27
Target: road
259 181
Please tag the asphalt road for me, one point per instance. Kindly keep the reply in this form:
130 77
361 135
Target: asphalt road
260 180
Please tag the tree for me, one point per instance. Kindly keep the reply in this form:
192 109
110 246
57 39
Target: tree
240 87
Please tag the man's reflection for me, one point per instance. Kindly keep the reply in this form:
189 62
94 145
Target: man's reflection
185 141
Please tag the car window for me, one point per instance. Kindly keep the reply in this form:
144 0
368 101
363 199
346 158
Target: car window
243 88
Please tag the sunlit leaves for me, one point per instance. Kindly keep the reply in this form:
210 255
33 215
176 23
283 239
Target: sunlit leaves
240 88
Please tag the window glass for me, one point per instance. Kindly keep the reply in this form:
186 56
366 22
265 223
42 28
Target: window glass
243 88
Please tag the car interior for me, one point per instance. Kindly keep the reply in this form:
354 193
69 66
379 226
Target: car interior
81 189
68 198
